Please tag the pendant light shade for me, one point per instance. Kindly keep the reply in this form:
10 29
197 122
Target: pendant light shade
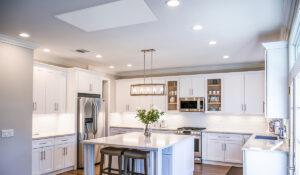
151 89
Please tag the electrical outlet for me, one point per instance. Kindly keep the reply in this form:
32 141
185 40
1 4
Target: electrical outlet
7 133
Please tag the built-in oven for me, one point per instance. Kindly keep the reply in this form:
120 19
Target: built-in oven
195 104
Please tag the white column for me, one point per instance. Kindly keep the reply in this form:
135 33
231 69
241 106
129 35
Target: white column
89 159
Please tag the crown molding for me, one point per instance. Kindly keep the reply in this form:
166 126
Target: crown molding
275 45
206 69
18 42
289 13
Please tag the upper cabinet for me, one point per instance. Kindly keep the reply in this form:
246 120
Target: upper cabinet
49 90
244 93
214 93
89 83
276 65
192 87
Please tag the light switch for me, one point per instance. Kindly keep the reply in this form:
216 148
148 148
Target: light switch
7 133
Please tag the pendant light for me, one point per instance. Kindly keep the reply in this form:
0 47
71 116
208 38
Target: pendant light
151 89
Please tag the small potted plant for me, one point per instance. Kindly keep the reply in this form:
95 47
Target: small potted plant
148 118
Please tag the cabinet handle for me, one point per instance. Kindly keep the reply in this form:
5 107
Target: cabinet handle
54 106
66 151
35 104
242 107
245 107
57 108
224 146
44 155
263 106
41 155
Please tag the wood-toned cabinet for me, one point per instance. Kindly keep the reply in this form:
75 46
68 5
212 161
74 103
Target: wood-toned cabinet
49 90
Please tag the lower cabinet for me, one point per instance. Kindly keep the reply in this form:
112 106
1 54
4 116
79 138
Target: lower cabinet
42 160
223 147
53 154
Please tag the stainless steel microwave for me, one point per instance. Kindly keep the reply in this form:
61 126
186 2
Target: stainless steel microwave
195 104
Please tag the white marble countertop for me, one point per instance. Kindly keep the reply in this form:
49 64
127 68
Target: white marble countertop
281 145
137 127
50 135
137 140
231 131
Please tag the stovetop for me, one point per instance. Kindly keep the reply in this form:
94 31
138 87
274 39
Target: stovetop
190 130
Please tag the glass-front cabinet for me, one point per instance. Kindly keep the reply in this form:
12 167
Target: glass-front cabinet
172 95
214 94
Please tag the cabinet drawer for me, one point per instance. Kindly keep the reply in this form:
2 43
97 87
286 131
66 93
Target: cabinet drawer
65 139
225 137
168 150
42 143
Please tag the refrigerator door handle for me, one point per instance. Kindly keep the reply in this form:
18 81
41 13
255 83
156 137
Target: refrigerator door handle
95 118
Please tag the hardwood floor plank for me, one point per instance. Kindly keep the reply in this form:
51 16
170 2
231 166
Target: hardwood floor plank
200 169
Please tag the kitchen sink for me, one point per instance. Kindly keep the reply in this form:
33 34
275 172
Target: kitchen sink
266 137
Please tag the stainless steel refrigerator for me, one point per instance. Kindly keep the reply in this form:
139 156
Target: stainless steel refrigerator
90 123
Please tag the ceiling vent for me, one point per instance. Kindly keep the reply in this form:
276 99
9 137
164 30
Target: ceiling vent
82 51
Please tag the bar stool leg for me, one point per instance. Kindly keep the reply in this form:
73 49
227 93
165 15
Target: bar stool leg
133 166
101 163
120 165
109 163
146 166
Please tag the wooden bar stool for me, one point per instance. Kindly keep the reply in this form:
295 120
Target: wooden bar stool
135 154
111 151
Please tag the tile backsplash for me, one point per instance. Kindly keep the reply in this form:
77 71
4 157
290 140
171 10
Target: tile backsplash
255 123
53 123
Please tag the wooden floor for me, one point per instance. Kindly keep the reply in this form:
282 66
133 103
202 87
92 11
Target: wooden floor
200 169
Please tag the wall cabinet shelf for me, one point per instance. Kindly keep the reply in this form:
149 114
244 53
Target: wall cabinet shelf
214 94
172 95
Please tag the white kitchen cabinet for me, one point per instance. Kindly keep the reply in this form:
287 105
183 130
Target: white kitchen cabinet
89 83
234 93
215 150
59 154
192 87
70 155
244 93
254 92
55 91
221 147
39 91
276 67
64 156
167 164
36 161
233 151
47 162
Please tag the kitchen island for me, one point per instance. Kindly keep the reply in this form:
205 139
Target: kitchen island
169 153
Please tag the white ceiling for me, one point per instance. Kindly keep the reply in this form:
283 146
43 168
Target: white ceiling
238 26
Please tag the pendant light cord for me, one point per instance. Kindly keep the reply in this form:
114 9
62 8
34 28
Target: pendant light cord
151 65
144 67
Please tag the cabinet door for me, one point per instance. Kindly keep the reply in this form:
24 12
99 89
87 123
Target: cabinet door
59 157
234 93
215 150
96 84
70 155
254 92
84 84
122 94
39 91
47 163
36 161
233 151
198 87
167 164
61 91
51 93
185 87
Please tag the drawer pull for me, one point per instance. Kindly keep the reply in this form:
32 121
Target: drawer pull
64 140
43 143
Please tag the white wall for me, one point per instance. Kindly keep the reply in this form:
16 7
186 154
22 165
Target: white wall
216 122
16 67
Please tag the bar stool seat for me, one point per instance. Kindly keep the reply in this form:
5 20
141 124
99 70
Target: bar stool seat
135 154
111 151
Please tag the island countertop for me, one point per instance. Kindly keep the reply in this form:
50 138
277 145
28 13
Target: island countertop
137 140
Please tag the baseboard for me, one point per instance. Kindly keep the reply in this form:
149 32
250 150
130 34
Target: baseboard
222 163
62 170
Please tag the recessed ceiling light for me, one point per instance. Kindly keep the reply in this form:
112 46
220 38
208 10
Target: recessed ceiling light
212 43
197 27
111 67
225 57
98 56
24 35
46 50
129 65
173 3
